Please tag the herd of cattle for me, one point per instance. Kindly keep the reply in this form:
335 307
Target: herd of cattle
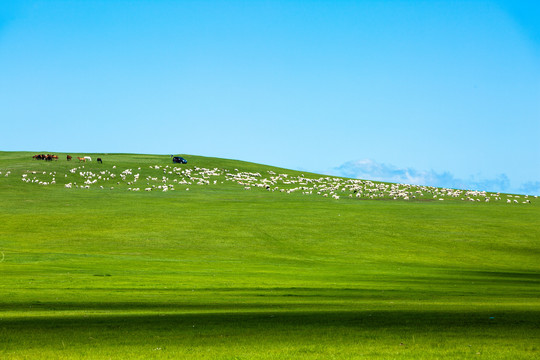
50 157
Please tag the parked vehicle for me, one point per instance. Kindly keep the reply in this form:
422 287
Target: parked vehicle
179 160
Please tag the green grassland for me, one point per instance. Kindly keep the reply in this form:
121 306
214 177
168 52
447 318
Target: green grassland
218 267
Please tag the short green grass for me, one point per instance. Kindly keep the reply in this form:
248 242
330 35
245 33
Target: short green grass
221 272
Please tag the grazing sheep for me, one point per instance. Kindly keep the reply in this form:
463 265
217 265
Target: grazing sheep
322 186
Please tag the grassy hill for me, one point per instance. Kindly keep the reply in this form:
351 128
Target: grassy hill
141 258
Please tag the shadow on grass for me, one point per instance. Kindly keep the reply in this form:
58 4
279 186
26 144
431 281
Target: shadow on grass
247 316
510 276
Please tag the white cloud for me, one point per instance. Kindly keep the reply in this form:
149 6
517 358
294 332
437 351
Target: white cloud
531 188
372 170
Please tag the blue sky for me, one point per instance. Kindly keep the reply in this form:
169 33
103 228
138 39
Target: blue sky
435 92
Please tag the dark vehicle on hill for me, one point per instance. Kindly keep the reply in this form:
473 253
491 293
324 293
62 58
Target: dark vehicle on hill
179 160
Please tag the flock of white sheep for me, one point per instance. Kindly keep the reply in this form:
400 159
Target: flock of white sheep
171 178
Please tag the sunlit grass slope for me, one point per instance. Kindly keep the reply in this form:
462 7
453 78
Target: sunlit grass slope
217 267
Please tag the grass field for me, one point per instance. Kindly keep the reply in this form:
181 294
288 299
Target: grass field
216 267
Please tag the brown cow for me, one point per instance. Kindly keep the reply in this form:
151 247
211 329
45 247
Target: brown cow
68 158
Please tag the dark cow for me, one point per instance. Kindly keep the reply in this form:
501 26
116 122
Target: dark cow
68 158
99 160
